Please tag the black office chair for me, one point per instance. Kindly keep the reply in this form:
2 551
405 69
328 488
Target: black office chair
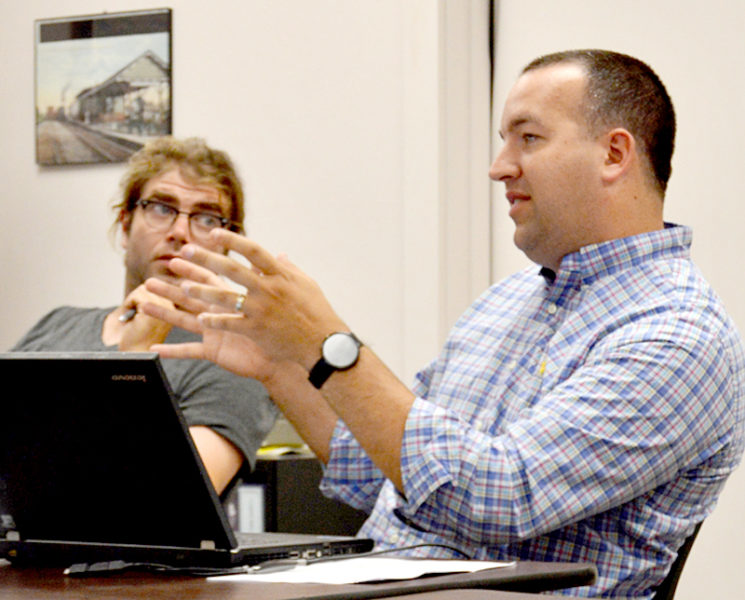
666 591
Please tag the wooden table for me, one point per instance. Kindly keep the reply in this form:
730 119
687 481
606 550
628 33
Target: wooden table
51 584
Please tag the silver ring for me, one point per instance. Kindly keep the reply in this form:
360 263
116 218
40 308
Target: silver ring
239 302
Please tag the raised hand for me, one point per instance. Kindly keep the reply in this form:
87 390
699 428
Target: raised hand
133 329
286 381
233 352
284 312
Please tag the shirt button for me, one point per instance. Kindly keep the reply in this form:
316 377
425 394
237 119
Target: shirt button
552 308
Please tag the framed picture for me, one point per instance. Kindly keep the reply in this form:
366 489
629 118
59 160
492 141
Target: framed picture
103 85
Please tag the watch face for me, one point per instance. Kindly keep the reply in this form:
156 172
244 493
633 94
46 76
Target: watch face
341 350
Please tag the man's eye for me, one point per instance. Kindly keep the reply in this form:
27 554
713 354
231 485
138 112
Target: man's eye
161 210
529 137
207 220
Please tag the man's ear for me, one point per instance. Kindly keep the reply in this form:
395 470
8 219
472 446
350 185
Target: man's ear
125 221
620 152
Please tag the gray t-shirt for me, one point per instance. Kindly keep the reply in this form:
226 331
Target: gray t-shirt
236 407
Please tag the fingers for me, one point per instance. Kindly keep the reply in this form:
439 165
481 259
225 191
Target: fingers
195 305
259 258
218 264
174 294
239 302
212 298
189 270
181 311
141 329
140 295
225 322
261 262
175 317
186 350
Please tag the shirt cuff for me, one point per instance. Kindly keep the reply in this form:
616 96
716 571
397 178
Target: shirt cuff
350 475
431 437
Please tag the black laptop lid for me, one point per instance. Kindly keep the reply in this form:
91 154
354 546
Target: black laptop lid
92 451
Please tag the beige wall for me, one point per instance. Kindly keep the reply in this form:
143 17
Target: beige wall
698 49
337 113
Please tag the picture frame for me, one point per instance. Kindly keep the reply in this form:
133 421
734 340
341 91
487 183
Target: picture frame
103 85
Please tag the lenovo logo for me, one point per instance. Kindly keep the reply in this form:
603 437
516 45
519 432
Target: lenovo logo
140 378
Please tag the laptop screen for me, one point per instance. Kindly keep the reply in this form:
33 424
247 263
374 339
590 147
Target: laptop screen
94 450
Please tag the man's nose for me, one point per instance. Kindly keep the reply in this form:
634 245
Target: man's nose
181 228
504 166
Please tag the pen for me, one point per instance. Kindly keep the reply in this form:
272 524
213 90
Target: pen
128 315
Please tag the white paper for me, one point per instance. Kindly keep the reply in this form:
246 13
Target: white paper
365 569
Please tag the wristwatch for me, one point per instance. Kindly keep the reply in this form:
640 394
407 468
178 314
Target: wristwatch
339 352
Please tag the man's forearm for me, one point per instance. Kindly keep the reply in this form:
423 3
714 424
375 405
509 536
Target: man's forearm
371 401
304 407
374 404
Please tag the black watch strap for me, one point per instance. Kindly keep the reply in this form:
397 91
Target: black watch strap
320 372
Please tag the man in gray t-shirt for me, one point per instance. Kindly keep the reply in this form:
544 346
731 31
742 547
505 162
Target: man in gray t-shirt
173 193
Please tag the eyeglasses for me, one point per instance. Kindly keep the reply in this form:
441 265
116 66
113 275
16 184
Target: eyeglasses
161 216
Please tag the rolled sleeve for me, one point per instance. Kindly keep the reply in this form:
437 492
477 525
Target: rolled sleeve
350 475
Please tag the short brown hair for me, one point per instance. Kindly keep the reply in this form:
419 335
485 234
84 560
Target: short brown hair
198 161
622 91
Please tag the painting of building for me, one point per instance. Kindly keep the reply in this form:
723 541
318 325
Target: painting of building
103 86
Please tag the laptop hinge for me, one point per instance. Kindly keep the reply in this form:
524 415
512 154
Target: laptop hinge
207 545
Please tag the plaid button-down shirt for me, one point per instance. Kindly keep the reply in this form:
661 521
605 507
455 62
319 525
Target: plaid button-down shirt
591 416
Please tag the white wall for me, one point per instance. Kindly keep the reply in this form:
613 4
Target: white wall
698 49
340 115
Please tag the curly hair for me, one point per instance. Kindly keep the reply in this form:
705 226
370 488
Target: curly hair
197 161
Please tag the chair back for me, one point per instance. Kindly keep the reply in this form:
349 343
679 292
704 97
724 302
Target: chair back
666 591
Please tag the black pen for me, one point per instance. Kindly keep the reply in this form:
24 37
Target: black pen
128 315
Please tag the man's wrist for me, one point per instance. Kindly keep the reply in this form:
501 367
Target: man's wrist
340 351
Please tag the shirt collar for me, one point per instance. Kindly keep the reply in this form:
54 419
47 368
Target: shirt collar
597 260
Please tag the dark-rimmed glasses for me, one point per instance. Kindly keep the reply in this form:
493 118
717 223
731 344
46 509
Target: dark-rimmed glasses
161 216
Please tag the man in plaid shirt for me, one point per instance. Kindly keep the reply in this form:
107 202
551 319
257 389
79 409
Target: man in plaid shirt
587 409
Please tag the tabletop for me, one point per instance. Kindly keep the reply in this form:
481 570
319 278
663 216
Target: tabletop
51 584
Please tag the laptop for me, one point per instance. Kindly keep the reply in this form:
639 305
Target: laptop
97 464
